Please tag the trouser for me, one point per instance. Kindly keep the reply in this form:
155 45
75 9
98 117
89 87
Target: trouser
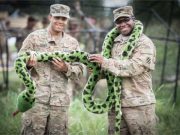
139 120
45 120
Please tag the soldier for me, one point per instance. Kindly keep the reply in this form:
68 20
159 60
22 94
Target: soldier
23 33
74 29
45 22
138 99
50 113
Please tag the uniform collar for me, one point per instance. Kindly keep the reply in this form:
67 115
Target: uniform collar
51 39
121 38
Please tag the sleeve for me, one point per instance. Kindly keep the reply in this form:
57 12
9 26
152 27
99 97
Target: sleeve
28 44
75 69
142 59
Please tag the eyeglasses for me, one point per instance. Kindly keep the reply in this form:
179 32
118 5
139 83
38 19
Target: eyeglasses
125 20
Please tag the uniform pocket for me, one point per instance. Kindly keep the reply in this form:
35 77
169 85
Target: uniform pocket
27 122
143 80
26 126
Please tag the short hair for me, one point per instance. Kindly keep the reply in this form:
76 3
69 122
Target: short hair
32 19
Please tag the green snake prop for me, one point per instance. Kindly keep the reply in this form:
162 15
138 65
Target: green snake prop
26 99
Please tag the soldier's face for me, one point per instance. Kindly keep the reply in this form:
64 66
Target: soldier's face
32 24
125 25
58 23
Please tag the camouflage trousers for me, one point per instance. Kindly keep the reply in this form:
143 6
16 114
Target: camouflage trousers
139 120
45 120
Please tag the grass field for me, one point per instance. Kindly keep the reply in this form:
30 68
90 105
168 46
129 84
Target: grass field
84 123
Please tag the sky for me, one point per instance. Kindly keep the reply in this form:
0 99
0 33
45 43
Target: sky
115 3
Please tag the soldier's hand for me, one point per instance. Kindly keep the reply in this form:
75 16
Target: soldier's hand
59 65
32 60
98 58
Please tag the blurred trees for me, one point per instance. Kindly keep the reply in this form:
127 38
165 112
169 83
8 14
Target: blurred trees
162 7
168 10
32 6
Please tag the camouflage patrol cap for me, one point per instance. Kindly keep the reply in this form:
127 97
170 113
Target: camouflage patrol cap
126 11
59 10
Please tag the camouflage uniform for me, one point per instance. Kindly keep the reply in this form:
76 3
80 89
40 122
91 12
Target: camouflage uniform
50 113
137 98
137 95
21 35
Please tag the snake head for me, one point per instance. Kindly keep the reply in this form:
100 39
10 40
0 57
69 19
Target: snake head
24 103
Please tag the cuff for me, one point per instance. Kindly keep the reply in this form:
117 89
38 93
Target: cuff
105 64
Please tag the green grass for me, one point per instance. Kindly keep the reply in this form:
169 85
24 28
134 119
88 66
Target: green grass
82 122
9 125
167 111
